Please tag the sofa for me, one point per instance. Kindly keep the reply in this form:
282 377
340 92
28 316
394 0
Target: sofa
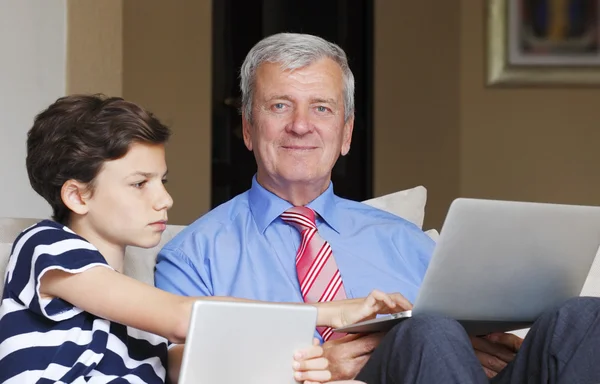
139 262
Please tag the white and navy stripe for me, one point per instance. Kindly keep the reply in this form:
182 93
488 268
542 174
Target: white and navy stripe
48 341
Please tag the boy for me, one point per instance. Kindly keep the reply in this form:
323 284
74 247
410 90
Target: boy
67 307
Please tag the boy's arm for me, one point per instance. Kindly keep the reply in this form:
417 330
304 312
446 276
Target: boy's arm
116 297
176 273
174 366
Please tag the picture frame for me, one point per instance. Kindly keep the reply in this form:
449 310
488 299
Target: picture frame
557 44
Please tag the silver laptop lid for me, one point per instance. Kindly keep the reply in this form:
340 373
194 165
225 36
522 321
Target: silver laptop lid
502 260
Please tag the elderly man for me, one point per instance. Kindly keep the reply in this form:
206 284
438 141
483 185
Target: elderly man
290 238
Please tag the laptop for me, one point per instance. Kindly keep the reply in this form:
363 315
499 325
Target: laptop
498 265
233 342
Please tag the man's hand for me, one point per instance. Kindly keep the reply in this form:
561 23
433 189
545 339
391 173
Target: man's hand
495 351
347 355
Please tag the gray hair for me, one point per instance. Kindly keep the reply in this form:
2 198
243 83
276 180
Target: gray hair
293 51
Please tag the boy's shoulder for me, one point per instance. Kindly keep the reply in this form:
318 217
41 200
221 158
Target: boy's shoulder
44 232
48 237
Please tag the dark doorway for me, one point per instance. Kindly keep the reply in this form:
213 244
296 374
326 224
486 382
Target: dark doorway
237 26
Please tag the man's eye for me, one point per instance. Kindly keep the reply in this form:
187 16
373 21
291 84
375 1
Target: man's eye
321 108
139 185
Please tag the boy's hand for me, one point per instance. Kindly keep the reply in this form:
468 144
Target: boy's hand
351 311
310 367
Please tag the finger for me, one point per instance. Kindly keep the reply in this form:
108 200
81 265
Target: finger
401 301
377 297
335 382
346 382
489 362
317 376
383 299
373 300
498 350
364 345
308 353
512 342
489 373
316 341
389 303
318 364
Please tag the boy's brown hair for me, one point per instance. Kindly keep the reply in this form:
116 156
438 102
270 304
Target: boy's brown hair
75 135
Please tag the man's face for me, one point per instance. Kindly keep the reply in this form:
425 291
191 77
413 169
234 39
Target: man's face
129 203
298 130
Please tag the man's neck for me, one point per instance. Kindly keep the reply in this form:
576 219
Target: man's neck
114 254
296 193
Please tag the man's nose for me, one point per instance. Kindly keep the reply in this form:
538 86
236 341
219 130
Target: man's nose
301 123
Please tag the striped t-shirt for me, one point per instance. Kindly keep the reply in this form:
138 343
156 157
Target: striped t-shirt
49 340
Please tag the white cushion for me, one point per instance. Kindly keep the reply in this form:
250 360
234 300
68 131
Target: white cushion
408 204
140 262
591 287
9 230
434 234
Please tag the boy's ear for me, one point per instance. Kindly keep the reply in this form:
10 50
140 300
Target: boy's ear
74 195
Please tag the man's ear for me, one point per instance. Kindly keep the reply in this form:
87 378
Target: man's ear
74 195
347 135
246 128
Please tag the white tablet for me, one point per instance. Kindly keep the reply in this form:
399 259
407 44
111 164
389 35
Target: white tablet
231 342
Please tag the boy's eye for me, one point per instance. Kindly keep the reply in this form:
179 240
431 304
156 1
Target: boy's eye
139 185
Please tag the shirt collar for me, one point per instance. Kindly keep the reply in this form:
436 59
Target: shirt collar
265 206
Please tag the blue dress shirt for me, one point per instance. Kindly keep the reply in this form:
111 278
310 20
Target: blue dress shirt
244 249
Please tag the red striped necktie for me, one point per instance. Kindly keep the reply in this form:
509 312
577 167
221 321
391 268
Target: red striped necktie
318 274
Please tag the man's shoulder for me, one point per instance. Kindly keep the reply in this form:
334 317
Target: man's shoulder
221 218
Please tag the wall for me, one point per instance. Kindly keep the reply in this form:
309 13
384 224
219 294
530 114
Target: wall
95 47
524 144
157 54
435 122
32 75
167 69
416 116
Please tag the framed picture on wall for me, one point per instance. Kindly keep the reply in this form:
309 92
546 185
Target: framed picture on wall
543 42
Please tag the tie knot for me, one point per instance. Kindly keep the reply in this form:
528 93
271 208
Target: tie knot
302 218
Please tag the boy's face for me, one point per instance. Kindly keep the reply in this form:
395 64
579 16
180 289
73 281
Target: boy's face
129 203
